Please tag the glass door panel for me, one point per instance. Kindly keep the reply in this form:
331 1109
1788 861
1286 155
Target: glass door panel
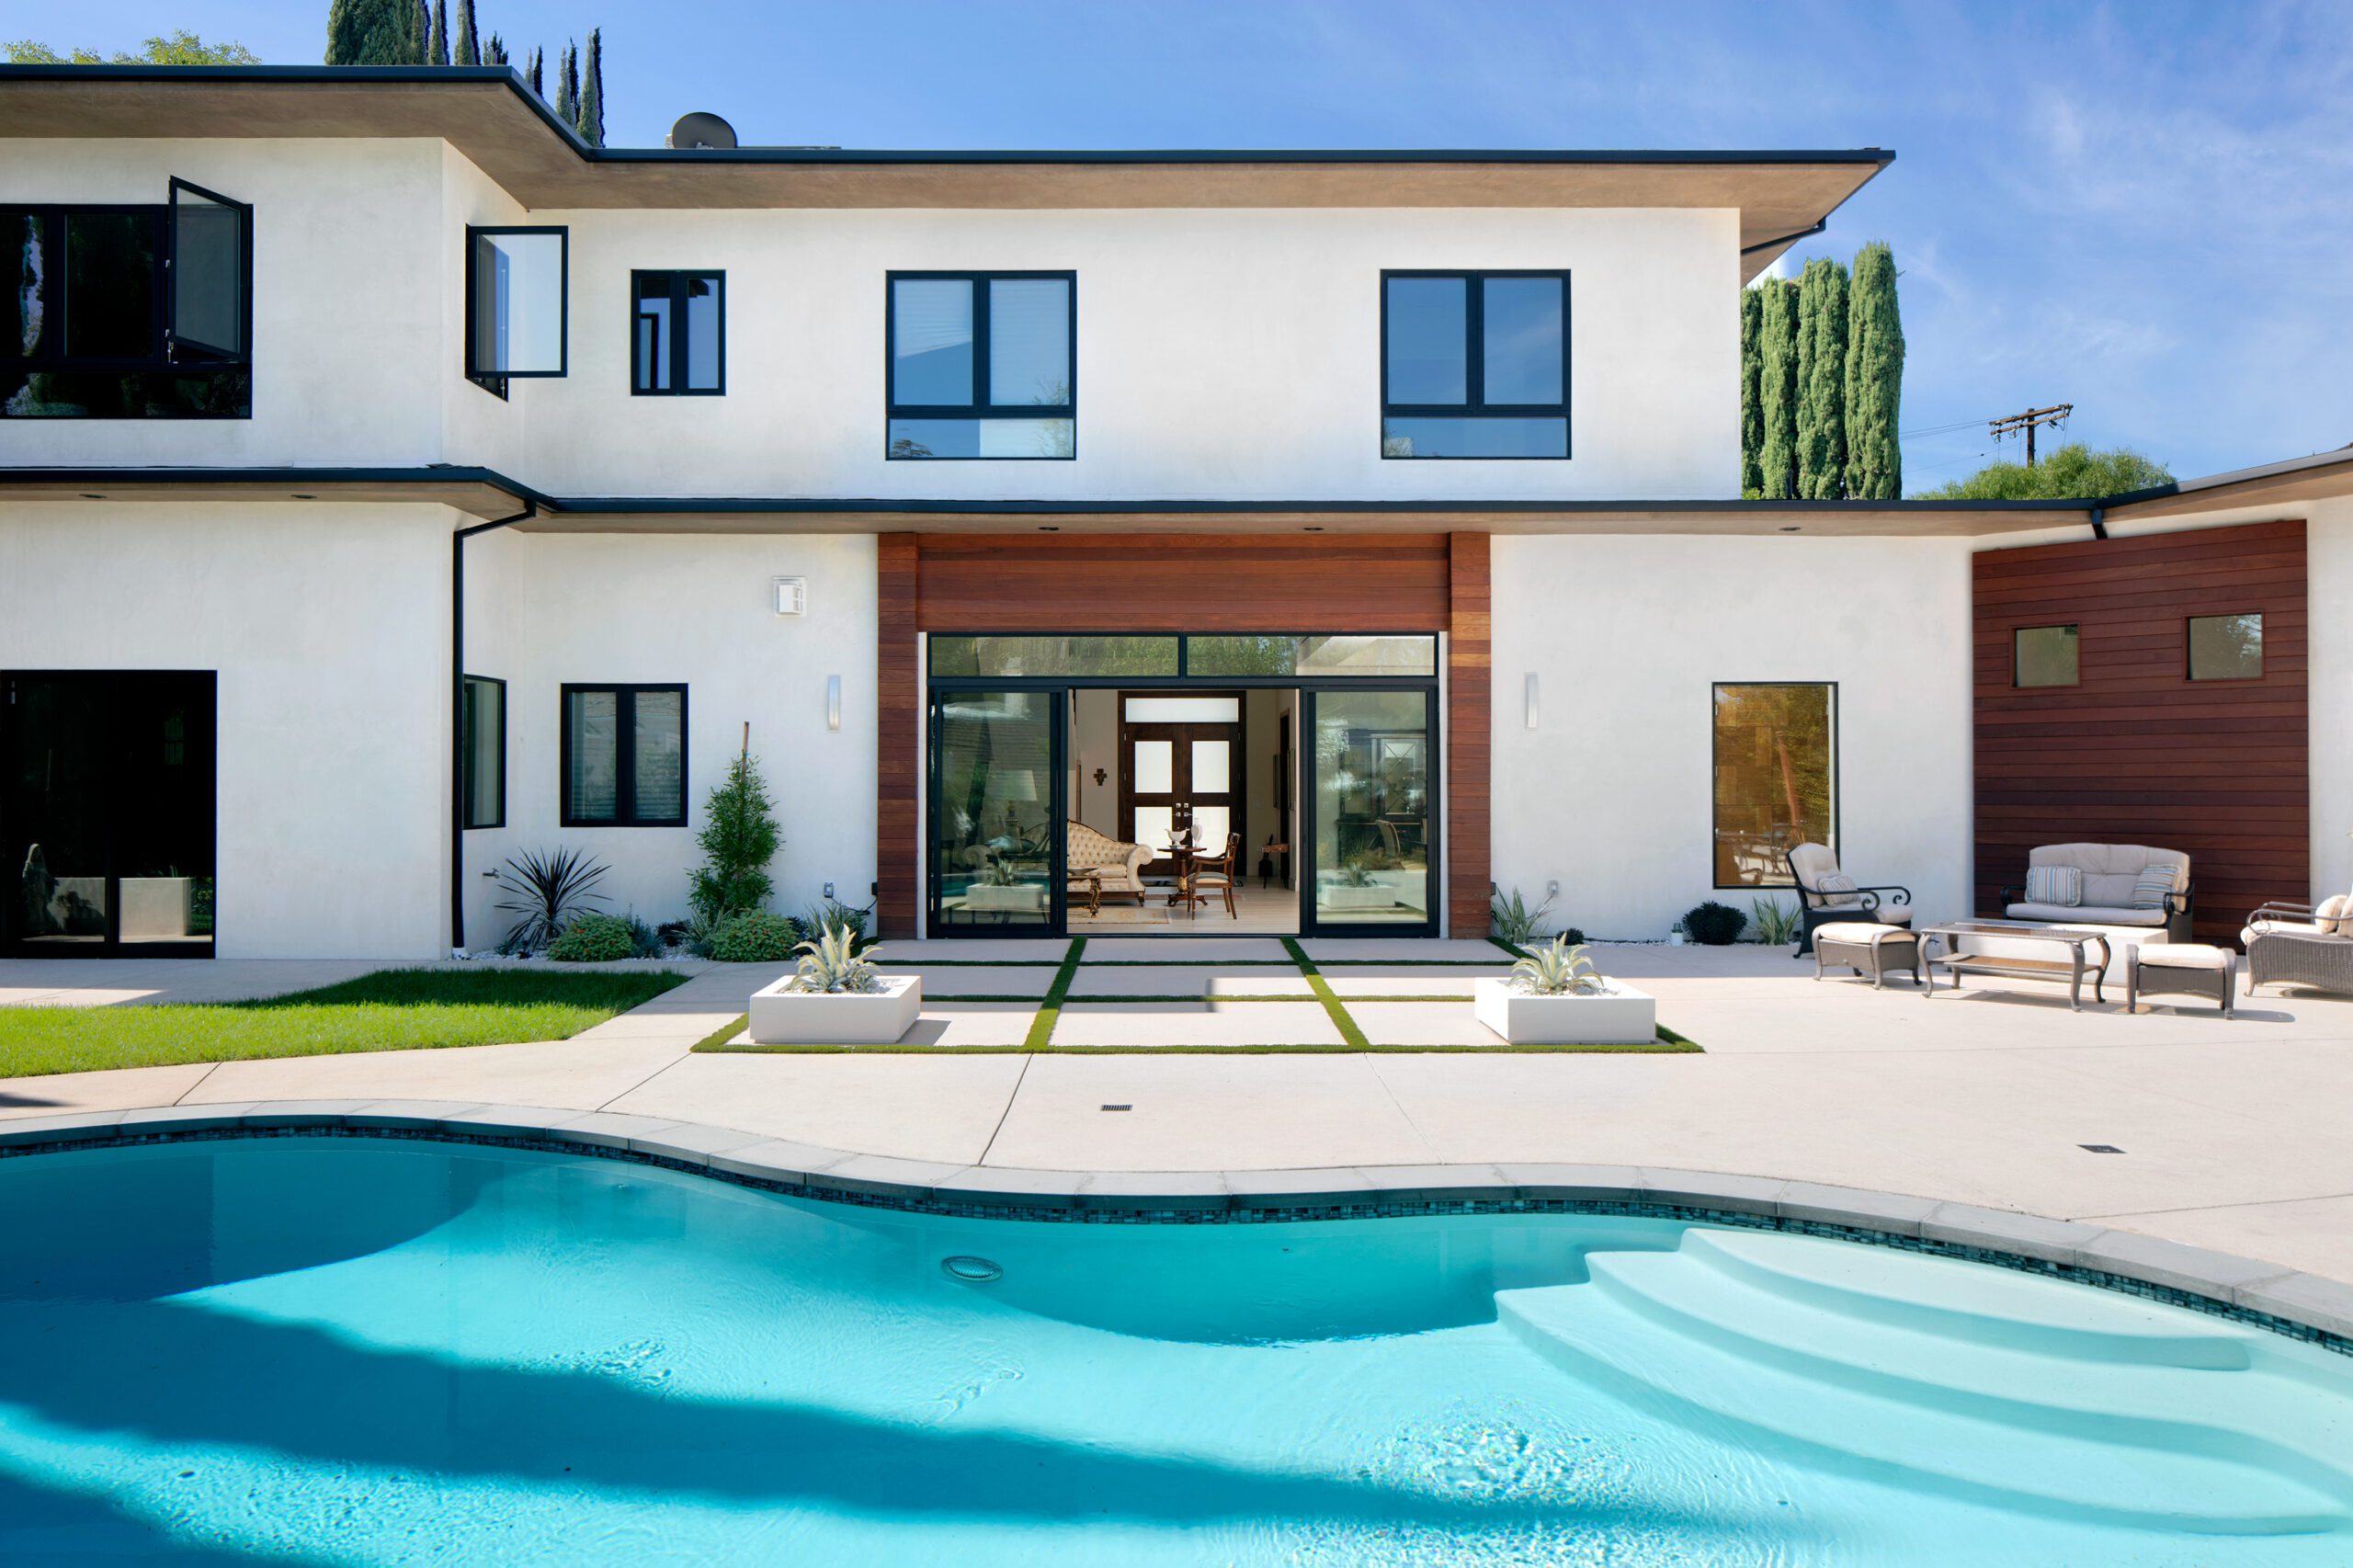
1370 800
994 810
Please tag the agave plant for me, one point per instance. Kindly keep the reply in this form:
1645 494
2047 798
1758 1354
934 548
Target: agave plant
832 963
1558 970
1515 922
1775 922
546 891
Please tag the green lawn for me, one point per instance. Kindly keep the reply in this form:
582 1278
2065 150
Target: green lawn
394 1009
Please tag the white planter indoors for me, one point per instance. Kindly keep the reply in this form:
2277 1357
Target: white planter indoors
782 1015
1616 1015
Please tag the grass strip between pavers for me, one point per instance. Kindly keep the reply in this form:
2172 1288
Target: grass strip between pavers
1325 995
1041 1028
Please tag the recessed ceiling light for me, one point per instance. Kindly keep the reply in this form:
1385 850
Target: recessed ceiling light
300 496
92 495
2099 1148
1314 528
1789 527
1050 527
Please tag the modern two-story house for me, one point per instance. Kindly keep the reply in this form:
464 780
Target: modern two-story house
391 484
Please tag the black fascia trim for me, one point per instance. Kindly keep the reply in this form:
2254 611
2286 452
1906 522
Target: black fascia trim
507 76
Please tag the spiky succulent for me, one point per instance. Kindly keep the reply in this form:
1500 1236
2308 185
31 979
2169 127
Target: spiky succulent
1558 970
833 963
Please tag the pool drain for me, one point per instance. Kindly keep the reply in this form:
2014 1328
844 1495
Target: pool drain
971 1270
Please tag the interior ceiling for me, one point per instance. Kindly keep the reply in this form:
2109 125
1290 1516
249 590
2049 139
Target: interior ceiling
491 124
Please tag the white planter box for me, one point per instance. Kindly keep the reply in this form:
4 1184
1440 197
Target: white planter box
1017 898
157 907
781 1016
1338 895
1617 1015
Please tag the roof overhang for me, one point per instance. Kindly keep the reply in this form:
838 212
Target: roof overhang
487 113
2319 477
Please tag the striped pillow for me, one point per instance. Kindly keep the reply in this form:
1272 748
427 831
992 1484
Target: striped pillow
2157 884
2055 884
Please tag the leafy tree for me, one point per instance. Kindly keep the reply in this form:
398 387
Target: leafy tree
2073 472
180 48
739 838
372 32
1777 388
437 48
591 97
1822 381
464 47
1752 414
1874 379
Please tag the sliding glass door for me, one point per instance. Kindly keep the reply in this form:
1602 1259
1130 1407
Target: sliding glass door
1372 848
995 809
106 814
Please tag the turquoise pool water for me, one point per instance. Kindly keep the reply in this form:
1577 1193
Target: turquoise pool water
321 1350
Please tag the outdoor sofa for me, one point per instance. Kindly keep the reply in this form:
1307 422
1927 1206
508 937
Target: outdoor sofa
2131 893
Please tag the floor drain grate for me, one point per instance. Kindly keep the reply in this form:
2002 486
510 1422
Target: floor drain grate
2099 1148
1118 1107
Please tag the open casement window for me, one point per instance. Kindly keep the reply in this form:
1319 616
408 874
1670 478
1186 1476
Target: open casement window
518 304
209 268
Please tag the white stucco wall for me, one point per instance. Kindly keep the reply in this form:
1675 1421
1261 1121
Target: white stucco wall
329 629
1610 793
547 609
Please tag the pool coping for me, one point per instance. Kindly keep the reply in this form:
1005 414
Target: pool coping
2303 1306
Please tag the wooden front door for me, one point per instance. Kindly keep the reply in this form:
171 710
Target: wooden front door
1180 765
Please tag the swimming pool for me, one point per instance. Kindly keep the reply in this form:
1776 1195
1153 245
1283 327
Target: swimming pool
348 1350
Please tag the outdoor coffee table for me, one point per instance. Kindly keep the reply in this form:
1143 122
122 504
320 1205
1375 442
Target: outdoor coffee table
2068 940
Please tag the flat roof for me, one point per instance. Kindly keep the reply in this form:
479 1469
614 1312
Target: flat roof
492 116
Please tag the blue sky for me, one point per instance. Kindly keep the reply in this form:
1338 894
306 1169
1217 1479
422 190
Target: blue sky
2145 209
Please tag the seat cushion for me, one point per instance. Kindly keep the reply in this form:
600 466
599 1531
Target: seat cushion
2281 928
2087 914
2181 955
1856 931
2111 871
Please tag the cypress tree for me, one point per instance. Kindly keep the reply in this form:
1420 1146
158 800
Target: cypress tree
495 51
1874 379
1752 413
567 87
1777 388
1822 381
370 32
537 75
437 50
592 94
463 45
421 34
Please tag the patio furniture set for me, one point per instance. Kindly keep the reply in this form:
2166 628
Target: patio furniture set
2087 911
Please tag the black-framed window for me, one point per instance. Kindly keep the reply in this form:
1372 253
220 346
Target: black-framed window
518 303
1474 364
127 311
485 755
2226 647
1775 758
2045 655
981 365
624 761
677 334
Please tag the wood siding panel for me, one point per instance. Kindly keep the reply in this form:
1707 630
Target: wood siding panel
898 902
1470 694
1034 582
2138 752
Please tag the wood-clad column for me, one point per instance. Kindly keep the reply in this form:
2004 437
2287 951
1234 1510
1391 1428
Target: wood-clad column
899 727
1470 692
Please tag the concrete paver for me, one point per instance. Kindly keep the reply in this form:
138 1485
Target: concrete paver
1209 979
923 1108
1194 1023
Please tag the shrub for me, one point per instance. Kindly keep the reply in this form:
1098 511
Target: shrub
593 939
545 890
830 915
1716 925
754 936
1572 935
1775 922
1515 922
739 838
644 941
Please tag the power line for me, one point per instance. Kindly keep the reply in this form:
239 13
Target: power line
2012 424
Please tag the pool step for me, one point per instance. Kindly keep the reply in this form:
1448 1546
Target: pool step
2102 1410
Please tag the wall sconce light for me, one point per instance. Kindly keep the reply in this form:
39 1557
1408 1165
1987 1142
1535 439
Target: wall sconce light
792 595
833 702
1532 699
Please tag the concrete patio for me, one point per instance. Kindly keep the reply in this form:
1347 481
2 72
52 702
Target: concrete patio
2232 1133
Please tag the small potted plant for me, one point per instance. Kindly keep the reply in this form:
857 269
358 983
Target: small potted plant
834 997
1556 996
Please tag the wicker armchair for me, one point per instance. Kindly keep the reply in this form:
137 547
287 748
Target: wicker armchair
1823 895
2295 944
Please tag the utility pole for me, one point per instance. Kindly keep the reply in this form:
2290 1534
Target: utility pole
2011 425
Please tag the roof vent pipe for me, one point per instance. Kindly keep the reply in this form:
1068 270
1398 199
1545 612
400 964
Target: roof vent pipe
700 130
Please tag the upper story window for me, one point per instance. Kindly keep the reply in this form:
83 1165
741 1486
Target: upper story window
979 365
1474 365
677 334
517 304
127 311
2226 647
2046 656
